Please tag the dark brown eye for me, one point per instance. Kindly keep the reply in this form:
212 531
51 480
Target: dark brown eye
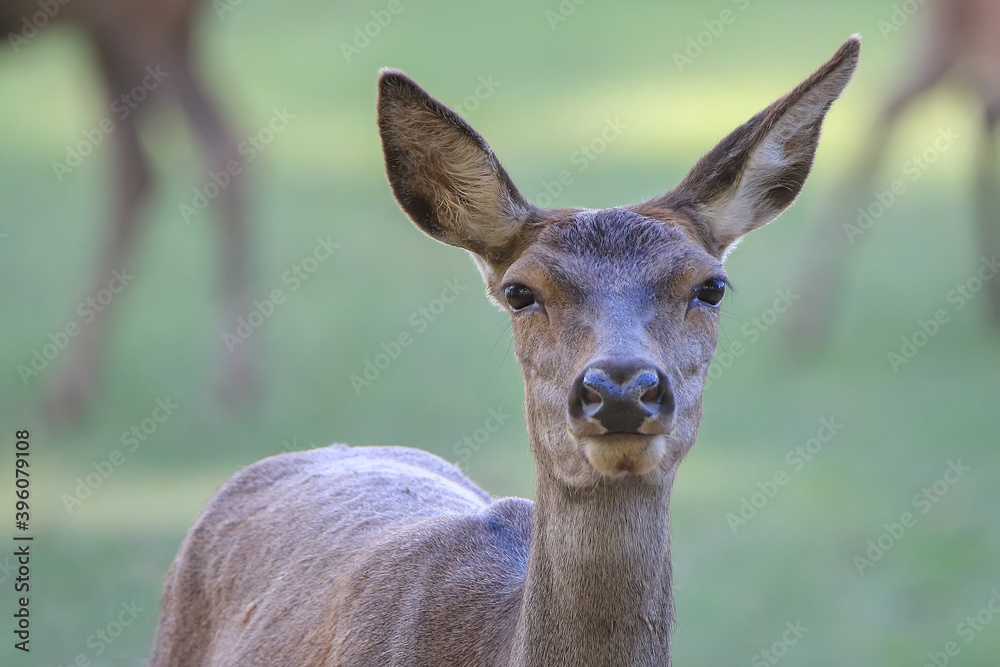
518 296
711 291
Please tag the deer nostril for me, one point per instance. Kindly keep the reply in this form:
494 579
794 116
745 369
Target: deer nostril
622 397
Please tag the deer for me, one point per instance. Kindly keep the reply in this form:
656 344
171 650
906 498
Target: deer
374 556
961 43
148 45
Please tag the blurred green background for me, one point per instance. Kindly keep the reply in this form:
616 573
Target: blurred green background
556 88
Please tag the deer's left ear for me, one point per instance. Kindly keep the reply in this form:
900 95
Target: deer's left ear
756 172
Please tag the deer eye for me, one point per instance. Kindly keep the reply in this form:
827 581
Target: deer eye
518 296
711 291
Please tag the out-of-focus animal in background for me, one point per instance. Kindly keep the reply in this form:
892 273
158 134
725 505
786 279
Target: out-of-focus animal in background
961 44
143 49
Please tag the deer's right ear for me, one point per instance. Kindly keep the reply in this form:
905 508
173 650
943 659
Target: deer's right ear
444 175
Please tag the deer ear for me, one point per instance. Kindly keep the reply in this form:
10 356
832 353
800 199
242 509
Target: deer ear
444 175
756 172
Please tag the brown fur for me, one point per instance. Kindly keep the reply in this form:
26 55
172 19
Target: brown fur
389 556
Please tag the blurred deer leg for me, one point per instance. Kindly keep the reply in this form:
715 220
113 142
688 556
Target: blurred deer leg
988 205
131 180
225 162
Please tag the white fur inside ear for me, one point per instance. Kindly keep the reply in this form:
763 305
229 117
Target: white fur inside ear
792 140
744 210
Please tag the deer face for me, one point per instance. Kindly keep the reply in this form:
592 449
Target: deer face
615 317
615 312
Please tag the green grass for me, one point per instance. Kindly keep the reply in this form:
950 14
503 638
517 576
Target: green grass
323 176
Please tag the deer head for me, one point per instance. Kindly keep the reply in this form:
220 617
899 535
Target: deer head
615 312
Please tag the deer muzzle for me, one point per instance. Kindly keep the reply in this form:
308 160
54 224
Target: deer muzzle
621 397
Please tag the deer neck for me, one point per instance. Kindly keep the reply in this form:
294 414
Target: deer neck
598 587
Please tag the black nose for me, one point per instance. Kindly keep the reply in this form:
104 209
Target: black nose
621 395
